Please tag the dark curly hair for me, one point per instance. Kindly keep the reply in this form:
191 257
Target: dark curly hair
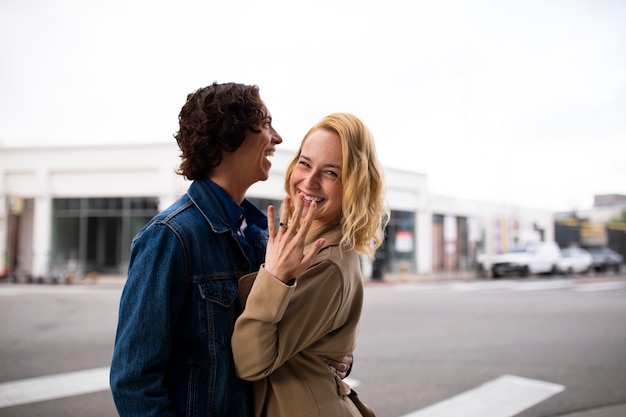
214 120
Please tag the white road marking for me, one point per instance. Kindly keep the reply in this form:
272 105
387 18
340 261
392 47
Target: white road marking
352 382
51 387
505 396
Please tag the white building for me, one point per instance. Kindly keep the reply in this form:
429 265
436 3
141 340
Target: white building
81 206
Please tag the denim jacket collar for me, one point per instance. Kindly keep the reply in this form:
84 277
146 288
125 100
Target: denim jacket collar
208 203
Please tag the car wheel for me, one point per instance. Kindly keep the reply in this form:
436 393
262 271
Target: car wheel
525 272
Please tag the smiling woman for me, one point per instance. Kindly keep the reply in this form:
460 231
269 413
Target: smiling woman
304 305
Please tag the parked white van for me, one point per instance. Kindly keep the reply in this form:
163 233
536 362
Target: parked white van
530 258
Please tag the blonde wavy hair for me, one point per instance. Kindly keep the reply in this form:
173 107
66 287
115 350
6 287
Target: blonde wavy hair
364 212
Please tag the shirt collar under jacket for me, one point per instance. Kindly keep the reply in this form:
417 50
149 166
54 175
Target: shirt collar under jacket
236 212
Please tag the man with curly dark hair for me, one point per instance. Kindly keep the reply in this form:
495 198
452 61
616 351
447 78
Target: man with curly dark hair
172 354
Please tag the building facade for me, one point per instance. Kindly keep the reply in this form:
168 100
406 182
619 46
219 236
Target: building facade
78 207
602 225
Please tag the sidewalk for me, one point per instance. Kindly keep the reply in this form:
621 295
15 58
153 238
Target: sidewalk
470 275
439 276
111 279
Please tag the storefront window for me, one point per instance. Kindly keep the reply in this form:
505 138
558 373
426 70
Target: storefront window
399 250
96 233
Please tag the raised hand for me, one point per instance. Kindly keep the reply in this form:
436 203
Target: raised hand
285 257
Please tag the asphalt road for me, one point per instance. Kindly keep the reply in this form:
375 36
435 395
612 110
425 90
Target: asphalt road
419 345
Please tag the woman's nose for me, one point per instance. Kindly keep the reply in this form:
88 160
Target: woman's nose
311 180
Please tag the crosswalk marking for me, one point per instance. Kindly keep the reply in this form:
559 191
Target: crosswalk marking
352 382
505 396
51 387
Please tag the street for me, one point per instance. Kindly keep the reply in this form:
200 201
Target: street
420 344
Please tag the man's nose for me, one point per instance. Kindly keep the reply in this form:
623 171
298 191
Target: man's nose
276 137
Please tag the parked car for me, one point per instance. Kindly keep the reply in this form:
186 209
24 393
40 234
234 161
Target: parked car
531 258
574 261
605 259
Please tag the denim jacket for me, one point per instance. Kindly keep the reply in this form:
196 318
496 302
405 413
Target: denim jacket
172 354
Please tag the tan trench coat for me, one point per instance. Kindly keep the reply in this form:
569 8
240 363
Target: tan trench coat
284 332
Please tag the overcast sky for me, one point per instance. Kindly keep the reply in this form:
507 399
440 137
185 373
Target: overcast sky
517 102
